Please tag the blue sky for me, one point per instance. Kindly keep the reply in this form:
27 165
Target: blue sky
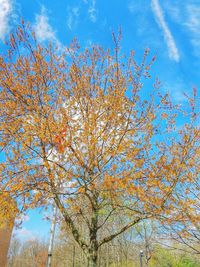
170 28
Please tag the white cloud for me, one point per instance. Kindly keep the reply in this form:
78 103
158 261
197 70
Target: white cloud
73 13
42 28
24 234
177 90
174 10
73 17
70 21
192 23
131 7
140 10
23 218
6 9
187 15
172 48
92 11
89 43
135 6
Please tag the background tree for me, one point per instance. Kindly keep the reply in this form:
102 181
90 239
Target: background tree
26 253
78 127
8 211
21 254
184 228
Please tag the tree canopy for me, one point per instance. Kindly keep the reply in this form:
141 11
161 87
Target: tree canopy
78 126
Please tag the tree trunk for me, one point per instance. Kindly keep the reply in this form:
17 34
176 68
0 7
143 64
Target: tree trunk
92 259
92 254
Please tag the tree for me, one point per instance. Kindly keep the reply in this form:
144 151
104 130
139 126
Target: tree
8 211
77 127
184 227
31 253
147 232
164 257
185 231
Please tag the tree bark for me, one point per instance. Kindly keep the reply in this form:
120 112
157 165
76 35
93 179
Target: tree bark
92 258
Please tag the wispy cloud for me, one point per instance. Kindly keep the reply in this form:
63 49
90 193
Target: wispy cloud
172 48
177 92
131 7
42 28
89 43
187 15
24 234
192 22
134 6
6 9
92 11
140 10
23 218
176 89
73 17
174 9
